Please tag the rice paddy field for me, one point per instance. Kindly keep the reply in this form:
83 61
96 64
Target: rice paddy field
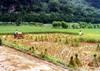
63 47
90 34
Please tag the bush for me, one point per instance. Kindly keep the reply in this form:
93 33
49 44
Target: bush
82 24
75 26
56 24
18 23
0 41
32 23
98 26
89 25
60 24
64 24
38 24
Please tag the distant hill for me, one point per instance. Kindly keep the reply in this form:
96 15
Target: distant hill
94 3
50 10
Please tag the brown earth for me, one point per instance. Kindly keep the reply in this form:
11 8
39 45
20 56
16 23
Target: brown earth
13 60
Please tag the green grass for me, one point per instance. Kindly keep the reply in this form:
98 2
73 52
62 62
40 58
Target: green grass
30 28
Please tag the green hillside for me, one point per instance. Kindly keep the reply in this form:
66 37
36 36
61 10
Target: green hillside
46 11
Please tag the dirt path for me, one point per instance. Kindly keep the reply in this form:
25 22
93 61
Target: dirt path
12 60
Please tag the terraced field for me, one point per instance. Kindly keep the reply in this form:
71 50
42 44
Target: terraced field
59 48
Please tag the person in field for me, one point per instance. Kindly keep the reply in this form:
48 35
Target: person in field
18 35
15 34
81 33
16 31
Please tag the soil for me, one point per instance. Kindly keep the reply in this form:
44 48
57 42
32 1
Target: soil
13 60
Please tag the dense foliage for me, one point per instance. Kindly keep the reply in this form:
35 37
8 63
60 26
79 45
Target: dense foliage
46 11
80 25
0 41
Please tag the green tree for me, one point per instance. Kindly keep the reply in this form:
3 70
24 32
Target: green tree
57 24
64 25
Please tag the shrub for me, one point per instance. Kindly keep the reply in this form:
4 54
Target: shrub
32 23
0 41
75 26
18 23
89 25
64 24
98 26
82 24
38 24
56 24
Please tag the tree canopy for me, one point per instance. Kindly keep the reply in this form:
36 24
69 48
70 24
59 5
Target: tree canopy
47 11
